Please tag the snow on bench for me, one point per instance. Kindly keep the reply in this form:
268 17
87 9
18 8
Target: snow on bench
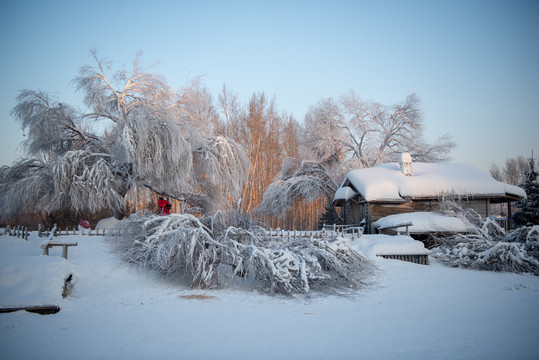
45 245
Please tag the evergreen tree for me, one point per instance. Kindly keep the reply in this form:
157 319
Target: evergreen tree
529 213
329 216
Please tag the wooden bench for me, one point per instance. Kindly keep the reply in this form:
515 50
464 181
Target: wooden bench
48 244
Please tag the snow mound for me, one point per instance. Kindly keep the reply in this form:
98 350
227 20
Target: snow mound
371 246
107 224
424 222
26 277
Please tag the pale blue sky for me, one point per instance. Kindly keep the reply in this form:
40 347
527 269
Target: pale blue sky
474 64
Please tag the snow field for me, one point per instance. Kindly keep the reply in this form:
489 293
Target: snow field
116 311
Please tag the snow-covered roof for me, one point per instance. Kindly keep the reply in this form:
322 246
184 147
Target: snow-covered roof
387 182
424 222
345 193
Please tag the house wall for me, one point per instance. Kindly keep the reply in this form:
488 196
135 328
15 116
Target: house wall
347 208
374 211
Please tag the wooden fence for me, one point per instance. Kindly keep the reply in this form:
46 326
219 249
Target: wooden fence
18 231
22 231
348 231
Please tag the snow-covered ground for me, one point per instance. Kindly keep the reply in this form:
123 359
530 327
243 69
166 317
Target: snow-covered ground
117 312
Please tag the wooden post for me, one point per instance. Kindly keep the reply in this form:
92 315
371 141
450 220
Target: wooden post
64 252
509 221
38 230
26 233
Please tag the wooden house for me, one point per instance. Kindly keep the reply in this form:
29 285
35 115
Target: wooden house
367 195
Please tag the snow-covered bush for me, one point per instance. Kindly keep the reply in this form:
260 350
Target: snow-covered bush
490 248
205 253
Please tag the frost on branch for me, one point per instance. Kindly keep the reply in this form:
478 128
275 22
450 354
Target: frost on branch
27 181
183 248
86 182
489 247
155 147
149 139
221 167
307 180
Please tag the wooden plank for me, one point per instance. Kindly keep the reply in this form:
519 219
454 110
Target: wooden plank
42 309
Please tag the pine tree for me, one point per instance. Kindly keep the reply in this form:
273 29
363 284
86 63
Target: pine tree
529 213
329 216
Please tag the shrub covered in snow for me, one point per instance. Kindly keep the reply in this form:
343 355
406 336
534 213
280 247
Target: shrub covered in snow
204 252
490 248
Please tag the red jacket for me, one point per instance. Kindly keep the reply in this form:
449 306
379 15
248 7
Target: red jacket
164 206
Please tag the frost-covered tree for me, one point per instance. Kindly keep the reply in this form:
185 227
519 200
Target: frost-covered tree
352 133
306 180
208 252
528 215
369 133
153 137
487 246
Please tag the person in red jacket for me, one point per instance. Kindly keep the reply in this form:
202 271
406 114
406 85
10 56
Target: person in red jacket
164 206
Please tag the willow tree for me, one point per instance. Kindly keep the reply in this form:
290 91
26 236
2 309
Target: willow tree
151 139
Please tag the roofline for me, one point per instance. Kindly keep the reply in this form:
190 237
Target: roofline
497 198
